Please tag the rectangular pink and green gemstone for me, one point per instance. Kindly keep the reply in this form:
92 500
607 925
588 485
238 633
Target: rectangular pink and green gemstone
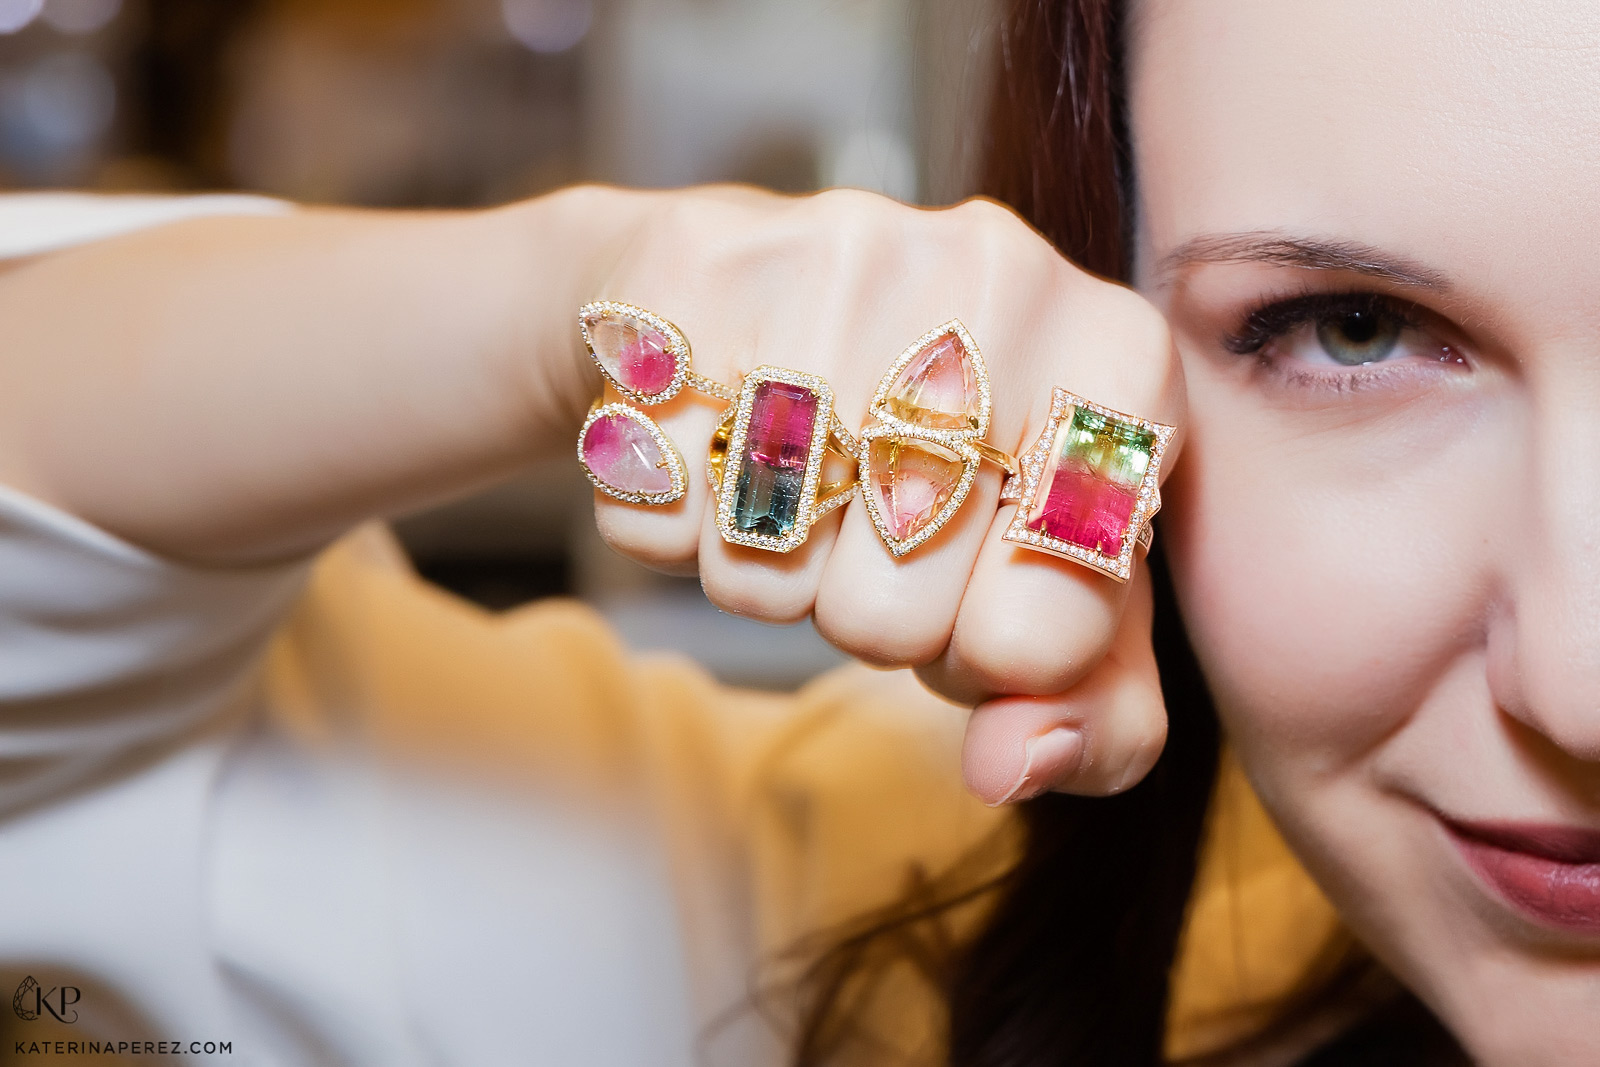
778 441
1090 483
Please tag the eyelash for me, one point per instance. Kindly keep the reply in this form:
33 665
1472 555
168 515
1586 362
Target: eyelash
1275 320
1280 318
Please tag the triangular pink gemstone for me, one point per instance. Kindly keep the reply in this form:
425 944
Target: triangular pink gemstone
624 455
938 388
633 353
912 481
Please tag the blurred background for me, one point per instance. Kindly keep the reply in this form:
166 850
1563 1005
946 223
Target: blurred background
451 103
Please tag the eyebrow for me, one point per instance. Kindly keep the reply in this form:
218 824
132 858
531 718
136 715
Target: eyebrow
1307 253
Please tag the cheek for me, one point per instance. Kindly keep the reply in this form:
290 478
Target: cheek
1329 574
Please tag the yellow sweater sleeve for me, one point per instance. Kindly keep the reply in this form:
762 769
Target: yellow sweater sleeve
781 815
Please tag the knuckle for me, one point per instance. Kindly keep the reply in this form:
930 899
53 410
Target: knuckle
990 215
701 238
1148 369
1006 245
1138 324
674 219
858 229
763 597
854 205
1011 652
647 539
1146 327
881 641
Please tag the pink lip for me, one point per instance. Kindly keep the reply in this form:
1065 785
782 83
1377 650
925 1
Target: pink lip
1550 873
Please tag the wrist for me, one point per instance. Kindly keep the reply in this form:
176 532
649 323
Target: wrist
551 255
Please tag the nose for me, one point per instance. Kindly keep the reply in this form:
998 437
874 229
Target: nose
1544 654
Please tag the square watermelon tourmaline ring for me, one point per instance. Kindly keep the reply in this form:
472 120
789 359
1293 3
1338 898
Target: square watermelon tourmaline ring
1089 486
920 455
646 359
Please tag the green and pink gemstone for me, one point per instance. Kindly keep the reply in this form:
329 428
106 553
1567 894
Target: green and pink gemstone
1090 485
769 492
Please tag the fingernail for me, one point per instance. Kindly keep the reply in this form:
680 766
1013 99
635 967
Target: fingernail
1047 759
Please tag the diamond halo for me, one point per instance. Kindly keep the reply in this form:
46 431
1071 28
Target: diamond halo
733 462
670 459
1064 406
891 425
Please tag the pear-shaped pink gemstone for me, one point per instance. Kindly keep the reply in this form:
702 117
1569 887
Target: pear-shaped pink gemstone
624 455
938 388
632 352
912 481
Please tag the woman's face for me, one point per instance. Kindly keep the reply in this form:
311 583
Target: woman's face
1375 227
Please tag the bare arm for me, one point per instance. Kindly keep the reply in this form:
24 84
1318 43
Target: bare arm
237 389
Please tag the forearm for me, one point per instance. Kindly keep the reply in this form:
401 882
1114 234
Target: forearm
238 389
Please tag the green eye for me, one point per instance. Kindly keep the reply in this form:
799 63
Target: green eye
1359 336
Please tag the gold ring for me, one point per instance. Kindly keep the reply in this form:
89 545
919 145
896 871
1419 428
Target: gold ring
766 460
920 456
627 456
1089 485
647 359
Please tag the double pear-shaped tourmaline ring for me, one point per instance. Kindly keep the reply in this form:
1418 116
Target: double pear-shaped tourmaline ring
647 360
1089 485
766 459
921 453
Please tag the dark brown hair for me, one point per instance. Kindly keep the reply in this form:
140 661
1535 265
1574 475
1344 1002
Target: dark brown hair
1056 146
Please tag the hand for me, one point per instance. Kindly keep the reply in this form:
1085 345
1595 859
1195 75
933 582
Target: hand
1055 658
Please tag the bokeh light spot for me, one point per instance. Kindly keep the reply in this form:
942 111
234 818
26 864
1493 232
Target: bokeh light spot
69 99
548 25
15 14
81 16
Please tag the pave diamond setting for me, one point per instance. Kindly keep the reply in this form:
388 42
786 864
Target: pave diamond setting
919 460
642 355
770 472
626 456
937 388
1090 484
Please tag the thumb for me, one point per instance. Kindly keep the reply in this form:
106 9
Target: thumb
1099 737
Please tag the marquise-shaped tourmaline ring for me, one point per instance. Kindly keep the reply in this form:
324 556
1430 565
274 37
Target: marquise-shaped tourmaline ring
646 359
1089 485
920 455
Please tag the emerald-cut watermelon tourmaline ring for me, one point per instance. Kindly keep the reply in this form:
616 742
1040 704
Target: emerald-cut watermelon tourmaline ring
1089 485
767 456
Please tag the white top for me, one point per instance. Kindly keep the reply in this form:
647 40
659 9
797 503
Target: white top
197 875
